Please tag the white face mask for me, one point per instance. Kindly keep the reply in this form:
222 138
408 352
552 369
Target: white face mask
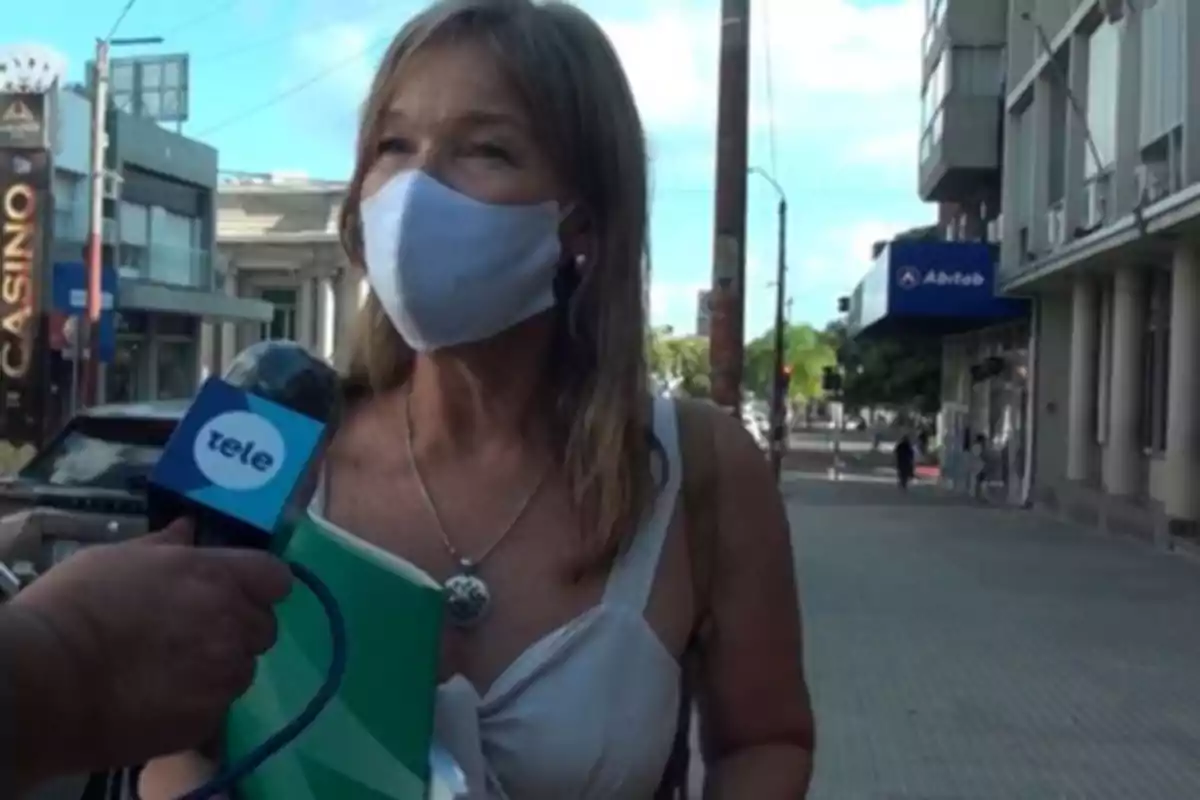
449 269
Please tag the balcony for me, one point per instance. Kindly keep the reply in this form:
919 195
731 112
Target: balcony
960 150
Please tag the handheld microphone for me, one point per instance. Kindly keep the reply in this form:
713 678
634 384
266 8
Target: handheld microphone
242 459
242 465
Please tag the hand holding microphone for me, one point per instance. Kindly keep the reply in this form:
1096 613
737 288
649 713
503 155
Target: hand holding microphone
127 651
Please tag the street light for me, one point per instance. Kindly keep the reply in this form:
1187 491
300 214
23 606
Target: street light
779 389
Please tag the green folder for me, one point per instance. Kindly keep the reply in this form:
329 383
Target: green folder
372 742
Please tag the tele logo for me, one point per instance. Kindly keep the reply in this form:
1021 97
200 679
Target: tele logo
239 450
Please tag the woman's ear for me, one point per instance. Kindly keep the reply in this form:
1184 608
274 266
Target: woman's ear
577 241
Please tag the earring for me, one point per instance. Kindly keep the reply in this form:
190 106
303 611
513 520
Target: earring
580 261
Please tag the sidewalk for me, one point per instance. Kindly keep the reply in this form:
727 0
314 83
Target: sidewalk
957 652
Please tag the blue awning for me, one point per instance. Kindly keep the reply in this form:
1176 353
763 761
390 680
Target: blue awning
931 288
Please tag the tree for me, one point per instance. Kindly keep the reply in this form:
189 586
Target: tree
679 362
892 371
806 350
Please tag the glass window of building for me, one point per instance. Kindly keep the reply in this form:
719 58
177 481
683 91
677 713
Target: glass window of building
134 222
124 376
176 368
172 254
1103 72
283 322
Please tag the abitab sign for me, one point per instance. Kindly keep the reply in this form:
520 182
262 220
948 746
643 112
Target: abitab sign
940 279
911 277
932 287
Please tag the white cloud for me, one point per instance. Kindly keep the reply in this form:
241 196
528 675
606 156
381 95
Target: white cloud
664 56
837 46
674 300
885 150
818 47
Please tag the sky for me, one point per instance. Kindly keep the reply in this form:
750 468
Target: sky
276 86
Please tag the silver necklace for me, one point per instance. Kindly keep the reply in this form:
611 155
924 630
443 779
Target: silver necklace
468 597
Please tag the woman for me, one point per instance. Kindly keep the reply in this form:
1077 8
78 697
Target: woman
497 432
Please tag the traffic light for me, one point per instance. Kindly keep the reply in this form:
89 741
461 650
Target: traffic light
831 380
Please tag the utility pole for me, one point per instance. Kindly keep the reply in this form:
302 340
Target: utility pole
89 353
779 398
782 380
729 252
88 350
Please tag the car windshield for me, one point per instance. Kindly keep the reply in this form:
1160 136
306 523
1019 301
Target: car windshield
103 453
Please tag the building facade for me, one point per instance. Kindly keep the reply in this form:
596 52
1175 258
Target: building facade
278 235
158 232
1101 200
942 281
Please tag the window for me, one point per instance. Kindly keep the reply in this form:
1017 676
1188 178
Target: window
173 259
1103 72
1156 361
134 220
283 322
1164 59
68 211
102 452
931 107
935 15
176 368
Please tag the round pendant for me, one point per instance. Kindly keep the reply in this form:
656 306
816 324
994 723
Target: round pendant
467 599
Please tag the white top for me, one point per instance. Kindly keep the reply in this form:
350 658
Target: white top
590 709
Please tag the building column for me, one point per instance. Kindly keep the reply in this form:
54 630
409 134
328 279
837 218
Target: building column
305 327
229 333
349 301
1183 398
326 317
1081 424
1123 456
204 358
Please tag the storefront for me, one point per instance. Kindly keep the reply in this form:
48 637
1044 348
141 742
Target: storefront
985 392
945 290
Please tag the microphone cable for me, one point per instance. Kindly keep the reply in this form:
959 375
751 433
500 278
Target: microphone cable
229 776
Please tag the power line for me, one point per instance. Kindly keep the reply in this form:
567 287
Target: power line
298 88
284 36
120 19
216 9
771 138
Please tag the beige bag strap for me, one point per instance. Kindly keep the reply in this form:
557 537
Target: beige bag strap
699 492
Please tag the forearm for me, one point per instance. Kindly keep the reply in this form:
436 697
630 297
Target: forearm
767 772
39 709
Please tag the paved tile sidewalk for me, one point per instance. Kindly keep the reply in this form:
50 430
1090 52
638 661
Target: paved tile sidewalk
965 653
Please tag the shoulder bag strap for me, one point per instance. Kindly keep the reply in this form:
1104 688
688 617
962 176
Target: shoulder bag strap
699 484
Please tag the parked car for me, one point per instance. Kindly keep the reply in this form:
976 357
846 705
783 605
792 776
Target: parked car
93 475
86 486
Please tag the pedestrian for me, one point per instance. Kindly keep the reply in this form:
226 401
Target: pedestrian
978 466
498 432
905 461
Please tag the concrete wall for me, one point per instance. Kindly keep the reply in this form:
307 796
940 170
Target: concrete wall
971 23
156 149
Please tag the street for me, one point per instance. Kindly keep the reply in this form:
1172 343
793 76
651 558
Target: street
958 652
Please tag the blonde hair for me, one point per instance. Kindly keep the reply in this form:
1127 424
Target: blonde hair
581 107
